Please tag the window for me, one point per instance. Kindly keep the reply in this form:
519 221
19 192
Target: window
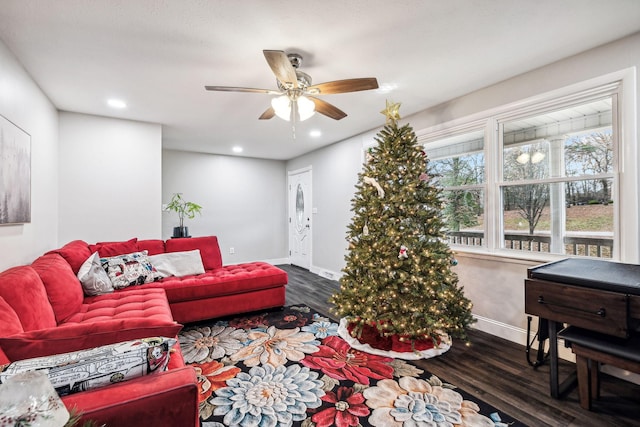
557 181
550 175
458 167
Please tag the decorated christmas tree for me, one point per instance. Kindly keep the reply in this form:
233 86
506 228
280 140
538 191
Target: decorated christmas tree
398 281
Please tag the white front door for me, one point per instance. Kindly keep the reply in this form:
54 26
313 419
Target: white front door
300 217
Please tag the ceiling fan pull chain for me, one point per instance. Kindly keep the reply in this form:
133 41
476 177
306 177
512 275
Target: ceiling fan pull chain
294 114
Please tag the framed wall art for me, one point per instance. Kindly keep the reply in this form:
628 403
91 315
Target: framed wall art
15 174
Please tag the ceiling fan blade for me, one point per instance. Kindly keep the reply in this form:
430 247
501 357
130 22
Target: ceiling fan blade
327 109
281 67
268 114
242 89
342 86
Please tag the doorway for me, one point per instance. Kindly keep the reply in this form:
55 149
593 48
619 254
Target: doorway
299 185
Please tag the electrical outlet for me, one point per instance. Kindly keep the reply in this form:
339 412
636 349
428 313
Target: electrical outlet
232 250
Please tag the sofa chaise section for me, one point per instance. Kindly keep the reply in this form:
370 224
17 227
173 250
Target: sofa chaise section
220 291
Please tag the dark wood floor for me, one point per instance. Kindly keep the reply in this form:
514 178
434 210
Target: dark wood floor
496 371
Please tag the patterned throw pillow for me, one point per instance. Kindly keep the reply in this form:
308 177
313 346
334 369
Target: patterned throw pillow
100 366
130 269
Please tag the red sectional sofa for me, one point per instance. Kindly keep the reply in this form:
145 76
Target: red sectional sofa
43 311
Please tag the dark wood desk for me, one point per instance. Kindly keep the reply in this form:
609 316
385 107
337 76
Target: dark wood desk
597 295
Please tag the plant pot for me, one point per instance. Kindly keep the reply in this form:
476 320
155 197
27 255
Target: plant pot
180 232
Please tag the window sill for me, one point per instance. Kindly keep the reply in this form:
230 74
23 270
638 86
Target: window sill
513 257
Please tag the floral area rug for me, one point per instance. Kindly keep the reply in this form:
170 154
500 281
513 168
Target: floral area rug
290 368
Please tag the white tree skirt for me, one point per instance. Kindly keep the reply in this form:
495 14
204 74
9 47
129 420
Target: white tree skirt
445 344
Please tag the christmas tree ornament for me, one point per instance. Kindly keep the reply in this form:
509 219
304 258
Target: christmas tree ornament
368 156
392 112
424 177
365 230
454 261
403 252
372 181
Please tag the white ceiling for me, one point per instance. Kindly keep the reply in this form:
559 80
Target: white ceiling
158 55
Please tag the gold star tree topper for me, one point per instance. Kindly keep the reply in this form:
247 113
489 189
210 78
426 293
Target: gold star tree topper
392 112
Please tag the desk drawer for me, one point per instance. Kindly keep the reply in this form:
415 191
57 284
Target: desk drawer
592 309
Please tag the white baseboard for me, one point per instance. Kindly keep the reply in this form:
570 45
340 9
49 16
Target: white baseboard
277 261
514 334
327 274
499 329
519 335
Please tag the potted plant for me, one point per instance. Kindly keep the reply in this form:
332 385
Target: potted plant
183 209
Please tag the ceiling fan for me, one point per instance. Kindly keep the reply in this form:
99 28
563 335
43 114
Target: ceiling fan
296 98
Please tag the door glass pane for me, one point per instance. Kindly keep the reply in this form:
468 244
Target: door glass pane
299 208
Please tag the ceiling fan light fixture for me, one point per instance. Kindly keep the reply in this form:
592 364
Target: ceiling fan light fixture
306 108
282 106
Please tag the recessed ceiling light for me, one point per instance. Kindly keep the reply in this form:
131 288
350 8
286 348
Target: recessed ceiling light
116 103
237 149
315 133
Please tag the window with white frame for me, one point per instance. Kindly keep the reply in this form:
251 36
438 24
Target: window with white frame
543 176
457 165
558 175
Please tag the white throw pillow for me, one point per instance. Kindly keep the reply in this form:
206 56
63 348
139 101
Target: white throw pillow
94 279
178 264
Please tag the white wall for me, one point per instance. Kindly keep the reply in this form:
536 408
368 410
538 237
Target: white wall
110 179
243 201
334 174
494 284
603 60
24 104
